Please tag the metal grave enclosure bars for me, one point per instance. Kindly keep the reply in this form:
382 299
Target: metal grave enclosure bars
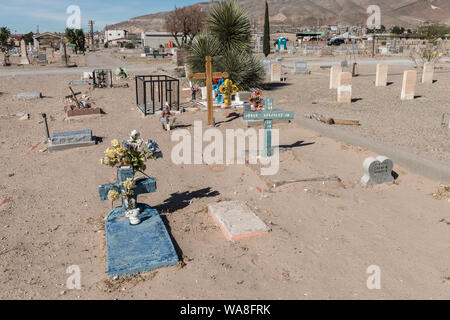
153 91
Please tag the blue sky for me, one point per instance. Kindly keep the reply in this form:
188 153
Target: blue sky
22 16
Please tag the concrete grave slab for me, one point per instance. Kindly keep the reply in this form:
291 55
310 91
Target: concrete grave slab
138 248
71 139
79 82
27 95
83 112
236 220
301 67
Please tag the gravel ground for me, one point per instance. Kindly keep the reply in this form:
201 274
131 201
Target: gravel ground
324 234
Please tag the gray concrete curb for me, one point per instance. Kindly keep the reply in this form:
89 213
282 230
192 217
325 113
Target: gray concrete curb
433 170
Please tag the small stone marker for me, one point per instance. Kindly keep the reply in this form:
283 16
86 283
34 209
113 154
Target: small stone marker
2 59
275 72
267 65
301 67
42 59
335 71
428 73
243 96
377 170
23 53
78 82
236 220
71 139
345 88
382 72
28 95
409 85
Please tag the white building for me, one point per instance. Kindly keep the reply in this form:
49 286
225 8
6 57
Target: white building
111 35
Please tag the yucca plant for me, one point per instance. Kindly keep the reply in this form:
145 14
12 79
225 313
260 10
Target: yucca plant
227 41
230 24
205 44
245 70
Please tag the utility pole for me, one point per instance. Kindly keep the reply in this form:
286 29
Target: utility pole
91 23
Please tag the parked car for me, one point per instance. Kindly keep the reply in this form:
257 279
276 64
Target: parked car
336 42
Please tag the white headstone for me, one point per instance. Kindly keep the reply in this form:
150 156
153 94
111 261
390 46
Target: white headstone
275 72
377 170
409 85
335 71
204 96
382 72
23 53
428 72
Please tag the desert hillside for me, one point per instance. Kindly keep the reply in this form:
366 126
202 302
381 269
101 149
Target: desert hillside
302 13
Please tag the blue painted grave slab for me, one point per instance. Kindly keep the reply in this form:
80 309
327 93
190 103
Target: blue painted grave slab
132 249
140 248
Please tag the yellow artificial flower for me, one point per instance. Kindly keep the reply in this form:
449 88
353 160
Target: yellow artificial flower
113 195
128 184
115 143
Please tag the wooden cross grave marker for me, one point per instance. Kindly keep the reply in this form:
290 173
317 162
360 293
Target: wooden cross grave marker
74 97
209 76
268 114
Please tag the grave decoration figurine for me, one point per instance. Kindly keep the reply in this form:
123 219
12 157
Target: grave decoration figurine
216 88
121 73
256 100
194 90
129 158
227 89
165 118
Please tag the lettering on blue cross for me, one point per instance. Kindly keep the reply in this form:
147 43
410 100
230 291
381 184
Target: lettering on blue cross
142 185
268 114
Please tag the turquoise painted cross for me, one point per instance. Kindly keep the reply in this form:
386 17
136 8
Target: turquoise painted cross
142 186
268 114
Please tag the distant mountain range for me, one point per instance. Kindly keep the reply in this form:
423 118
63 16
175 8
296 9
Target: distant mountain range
308 13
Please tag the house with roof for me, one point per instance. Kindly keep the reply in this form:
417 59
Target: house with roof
47 40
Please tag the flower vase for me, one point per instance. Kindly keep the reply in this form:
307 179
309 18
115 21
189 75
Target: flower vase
129 202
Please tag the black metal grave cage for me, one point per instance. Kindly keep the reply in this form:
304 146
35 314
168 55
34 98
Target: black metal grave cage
153 91
102 78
